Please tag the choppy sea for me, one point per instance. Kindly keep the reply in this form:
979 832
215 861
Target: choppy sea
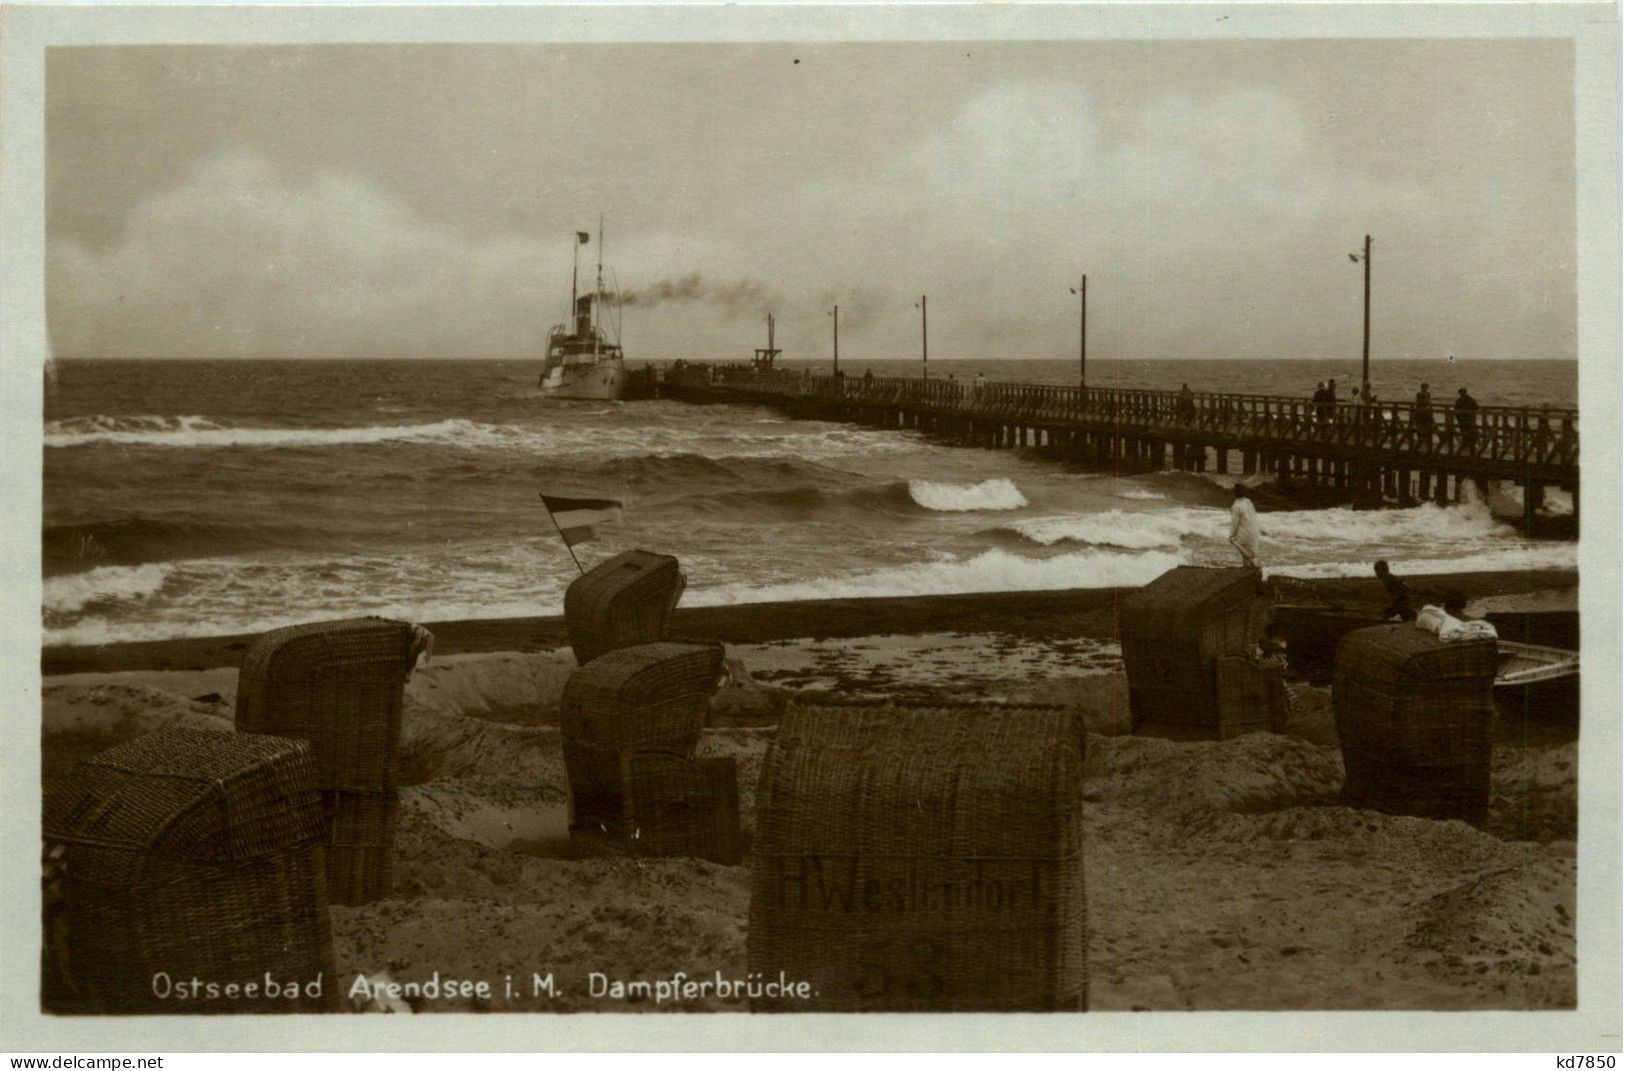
186 498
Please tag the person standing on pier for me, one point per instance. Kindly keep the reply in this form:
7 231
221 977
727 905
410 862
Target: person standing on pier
1331 401
1244 527
1466 417
1186 407
1318 406
1422 412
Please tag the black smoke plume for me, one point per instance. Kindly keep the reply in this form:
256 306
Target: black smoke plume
741 297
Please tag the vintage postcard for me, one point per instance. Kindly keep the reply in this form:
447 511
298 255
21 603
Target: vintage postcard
748 511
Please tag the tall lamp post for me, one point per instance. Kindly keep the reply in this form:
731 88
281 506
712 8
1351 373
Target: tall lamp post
1082 290
1365 336
836 312
925 368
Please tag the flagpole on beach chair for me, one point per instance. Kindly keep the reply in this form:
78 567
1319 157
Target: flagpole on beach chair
566 542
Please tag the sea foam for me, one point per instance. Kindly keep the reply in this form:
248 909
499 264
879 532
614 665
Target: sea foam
1425 524
194 431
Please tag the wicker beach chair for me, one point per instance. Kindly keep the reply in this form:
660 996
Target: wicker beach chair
1413 717
677 806
650 698
922 859
184 854
624 601
339 685
1173 633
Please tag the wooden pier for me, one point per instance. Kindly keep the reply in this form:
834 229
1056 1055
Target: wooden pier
1394 449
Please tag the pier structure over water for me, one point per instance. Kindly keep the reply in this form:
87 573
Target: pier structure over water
1395 449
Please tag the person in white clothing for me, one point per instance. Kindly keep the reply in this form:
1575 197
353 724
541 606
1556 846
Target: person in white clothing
1244 527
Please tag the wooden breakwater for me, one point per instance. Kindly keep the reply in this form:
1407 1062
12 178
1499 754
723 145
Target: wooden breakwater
1409 452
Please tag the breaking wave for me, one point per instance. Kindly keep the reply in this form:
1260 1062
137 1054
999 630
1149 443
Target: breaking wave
109 583
991 494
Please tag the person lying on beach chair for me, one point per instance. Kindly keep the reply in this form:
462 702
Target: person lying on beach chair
1450 621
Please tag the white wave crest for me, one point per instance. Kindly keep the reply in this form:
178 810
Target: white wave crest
992 570
1428 525
1141 495
997 493
70 594
182 431
590 436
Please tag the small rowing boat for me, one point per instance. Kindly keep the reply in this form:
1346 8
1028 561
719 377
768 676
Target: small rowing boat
1538 683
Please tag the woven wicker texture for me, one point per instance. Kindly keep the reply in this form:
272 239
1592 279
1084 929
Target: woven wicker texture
653 698
622 602
193 854
1413 716
922 859
675 806
360 844
1174 630
1252 698
337 684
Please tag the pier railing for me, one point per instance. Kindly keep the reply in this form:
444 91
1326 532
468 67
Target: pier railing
1511 440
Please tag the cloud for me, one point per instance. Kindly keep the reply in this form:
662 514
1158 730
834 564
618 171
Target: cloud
240 260
1211 224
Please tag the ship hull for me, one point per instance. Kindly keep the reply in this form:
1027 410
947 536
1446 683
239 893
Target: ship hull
601 382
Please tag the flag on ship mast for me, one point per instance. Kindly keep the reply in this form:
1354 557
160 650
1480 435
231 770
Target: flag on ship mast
583 237
574 518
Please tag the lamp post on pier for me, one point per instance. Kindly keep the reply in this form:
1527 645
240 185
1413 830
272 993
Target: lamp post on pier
836 312
1082 290
1365 334
925 369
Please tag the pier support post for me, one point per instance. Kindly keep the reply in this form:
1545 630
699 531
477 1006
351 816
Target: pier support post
1534 495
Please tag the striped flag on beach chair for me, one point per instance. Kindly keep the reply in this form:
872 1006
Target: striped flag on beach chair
574 517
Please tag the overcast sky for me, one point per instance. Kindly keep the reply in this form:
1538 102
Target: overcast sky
403 201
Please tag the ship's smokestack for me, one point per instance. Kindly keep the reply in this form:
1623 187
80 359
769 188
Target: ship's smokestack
584 314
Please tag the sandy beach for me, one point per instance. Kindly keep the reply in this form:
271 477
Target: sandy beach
1220 875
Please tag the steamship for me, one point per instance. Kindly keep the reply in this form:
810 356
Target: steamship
581 361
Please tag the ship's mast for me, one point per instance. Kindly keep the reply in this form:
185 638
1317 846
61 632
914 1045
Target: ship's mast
598 292
575 260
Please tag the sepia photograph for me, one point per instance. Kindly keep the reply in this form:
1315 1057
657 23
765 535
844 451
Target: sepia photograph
811 514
